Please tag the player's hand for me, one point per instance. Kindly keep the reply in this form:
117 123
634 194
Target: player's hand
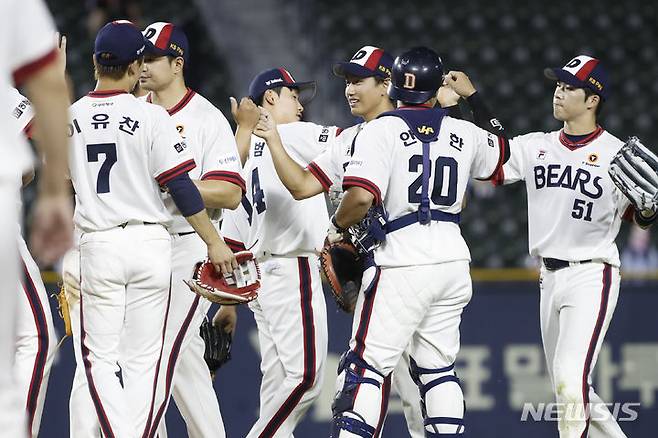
60 43
266 127
246 114
447 96
222 257
52 227
459 81
334 234
226 318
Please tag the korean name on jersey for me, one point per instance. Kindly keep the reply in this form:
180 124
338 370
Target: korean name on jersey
122 151
388 161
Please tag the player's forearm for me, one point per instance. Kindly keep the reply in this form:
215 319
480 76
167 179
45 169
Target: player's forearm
299 181
219 194
47 92
204 228
243 140
353 207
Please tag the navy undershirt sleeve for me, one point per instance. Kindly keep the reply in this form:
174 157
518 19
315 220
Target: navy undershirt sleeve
185 195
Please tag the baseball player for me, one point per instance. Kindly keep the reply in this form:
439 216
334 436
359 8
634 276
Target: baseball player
123 151
415 162
367 77
285 236
566 174
35 334
210 139
30 57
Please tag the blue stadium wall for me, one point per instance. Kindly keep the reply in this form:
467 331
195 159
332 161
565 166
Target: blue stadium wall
501 366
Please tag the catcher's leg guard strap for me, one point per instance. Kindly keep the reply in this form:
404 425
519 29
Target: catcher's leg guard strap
356 372
416 374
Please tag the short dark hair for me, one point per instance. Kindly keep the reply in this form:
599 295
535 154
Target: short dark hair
115 72
589 92
259 101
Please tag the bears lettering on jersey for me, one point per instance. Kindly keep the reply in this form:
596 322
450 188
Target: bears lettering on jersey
556 175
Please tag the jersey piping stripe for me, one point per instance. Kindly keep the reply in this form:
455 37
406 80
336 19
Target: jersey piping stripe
225 175
234 245
584 142
163 38
172 173
106 93
354 181
603 308
308 330
103 420
43 341
322 177
23 73
171 363
184 101
147 427
364 321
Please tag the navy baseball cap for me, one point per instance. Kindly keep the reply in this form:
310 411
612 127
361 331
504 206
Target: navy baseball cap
118 43
279 77
368 61
166 39
582 72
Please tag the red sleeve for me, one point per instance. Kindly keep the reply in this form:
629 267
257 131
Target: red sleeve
225 175
322 177
172 173
353 181
23 73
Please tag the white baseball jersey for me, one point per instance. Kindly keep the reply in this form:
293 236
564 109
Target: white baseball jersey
29 35
123 150
387 162
279 225
574 208
329 167
210 140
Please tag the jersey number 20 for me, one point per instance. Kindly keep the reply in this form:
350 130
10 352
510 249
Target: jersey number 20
110 152
444 188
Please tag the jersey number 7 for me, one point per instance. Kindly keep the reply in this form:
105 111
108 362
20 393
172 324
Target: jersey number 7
444 189
110 152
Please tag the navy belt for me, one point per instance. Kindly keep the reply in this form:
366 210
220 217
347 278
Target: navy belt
557 264
412 218
186 233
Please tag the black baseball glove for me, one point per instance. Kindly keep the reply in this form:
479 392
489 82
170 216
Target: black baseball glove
634 169
342 266
218 346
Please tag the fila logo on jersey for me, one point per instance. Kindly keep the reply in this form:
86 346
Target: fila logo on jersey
554 175
541 155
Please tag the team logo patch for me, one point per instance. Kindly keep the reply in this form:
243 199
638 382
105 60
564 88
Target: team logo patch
592 158
180 129
427 130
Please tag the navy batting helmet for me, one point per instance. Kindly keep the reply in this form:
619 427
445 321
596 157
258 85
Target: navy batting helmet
417 75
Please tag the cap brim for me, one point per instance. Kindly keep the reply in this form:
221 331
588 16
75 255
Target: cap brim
341 69
150 49
306 90
557 74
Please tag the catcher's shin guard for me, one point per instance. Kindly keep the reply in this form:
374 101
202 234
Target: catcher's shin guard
439 426
355 372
